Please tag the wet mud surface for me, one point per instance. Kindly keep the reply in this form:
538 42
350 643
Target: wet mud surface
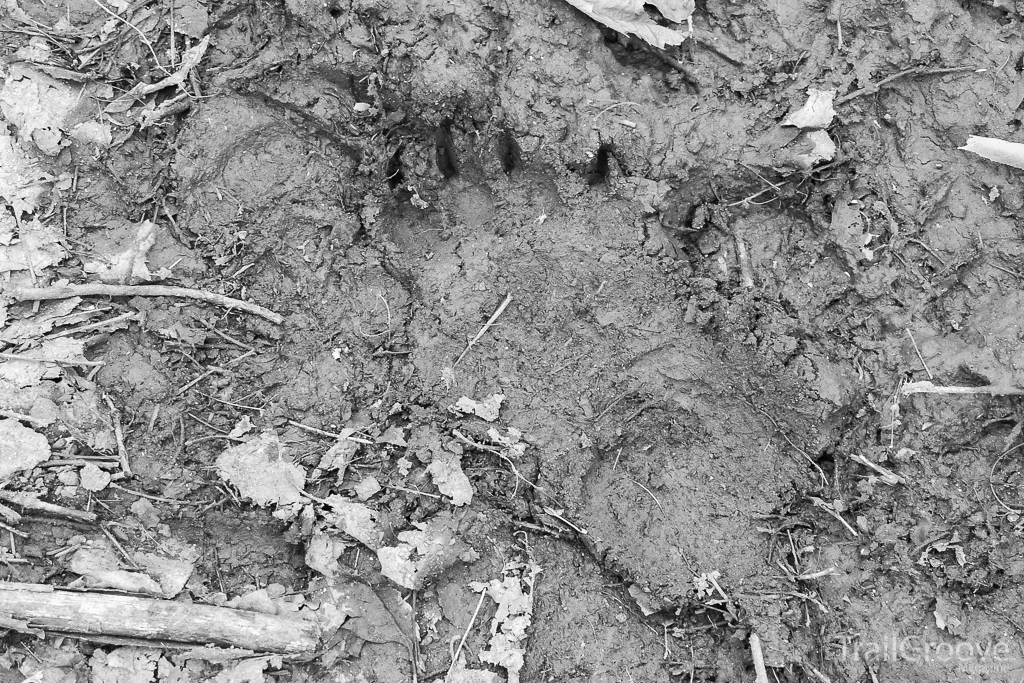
704 337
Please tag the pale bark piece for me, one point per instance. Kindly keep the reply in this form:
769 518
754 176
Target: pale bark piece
100 615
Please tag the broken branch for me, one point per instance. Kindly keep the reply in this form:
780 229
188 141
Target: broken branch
97 289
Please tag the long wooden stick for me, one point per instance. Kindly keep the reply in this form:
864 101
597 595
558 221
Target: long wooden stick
99 289
102 615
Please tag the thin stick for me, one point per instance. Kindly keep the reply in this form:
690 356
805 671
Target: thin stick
31 502
122 452
483 330
929 388
819 503
563 520
321 432
224 336
98 289
413 491
913 71
648 492
200 378
127 558
761 673
799 450
92 326
992 474
30 359
918 352
156 498
886 477
816 575
142 35
746 272
22 417
469 627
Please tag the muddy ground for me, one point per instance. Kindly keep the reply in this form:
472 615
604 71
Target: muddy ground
386 174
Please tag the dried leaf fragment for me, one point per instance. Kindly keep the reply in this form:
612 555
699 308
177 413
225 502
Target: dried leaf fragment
629 16
994 149
20 448
450 480
260 471
817 111
486 409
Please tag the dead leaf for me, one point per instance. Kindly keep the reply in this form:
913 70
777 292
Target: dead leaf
450 480
38 247
189 60
460 674
367 488
39 106
247 670
259 470
629 16
507 647
486 409
394 436
817 111
340 454
130 263
322 553
51 314
20 448
356 520
172 572
822 149
23 183
93 479
123 665
93 133
994 149
423 554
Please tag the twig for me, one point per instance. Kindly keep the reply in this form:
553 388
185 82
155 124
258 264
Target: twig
92 326
469 627
747 199
200 378
653 497
799 450
992 474
122 452
819 503
10 515
30 359
918 352
224 336
22 417
746 272
929 388
413 491
31 502
611 405
913 71
887 477
483 330
761 673
508 461
554 513
321 432
816 575
145 40
99 289
156 498
127 558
